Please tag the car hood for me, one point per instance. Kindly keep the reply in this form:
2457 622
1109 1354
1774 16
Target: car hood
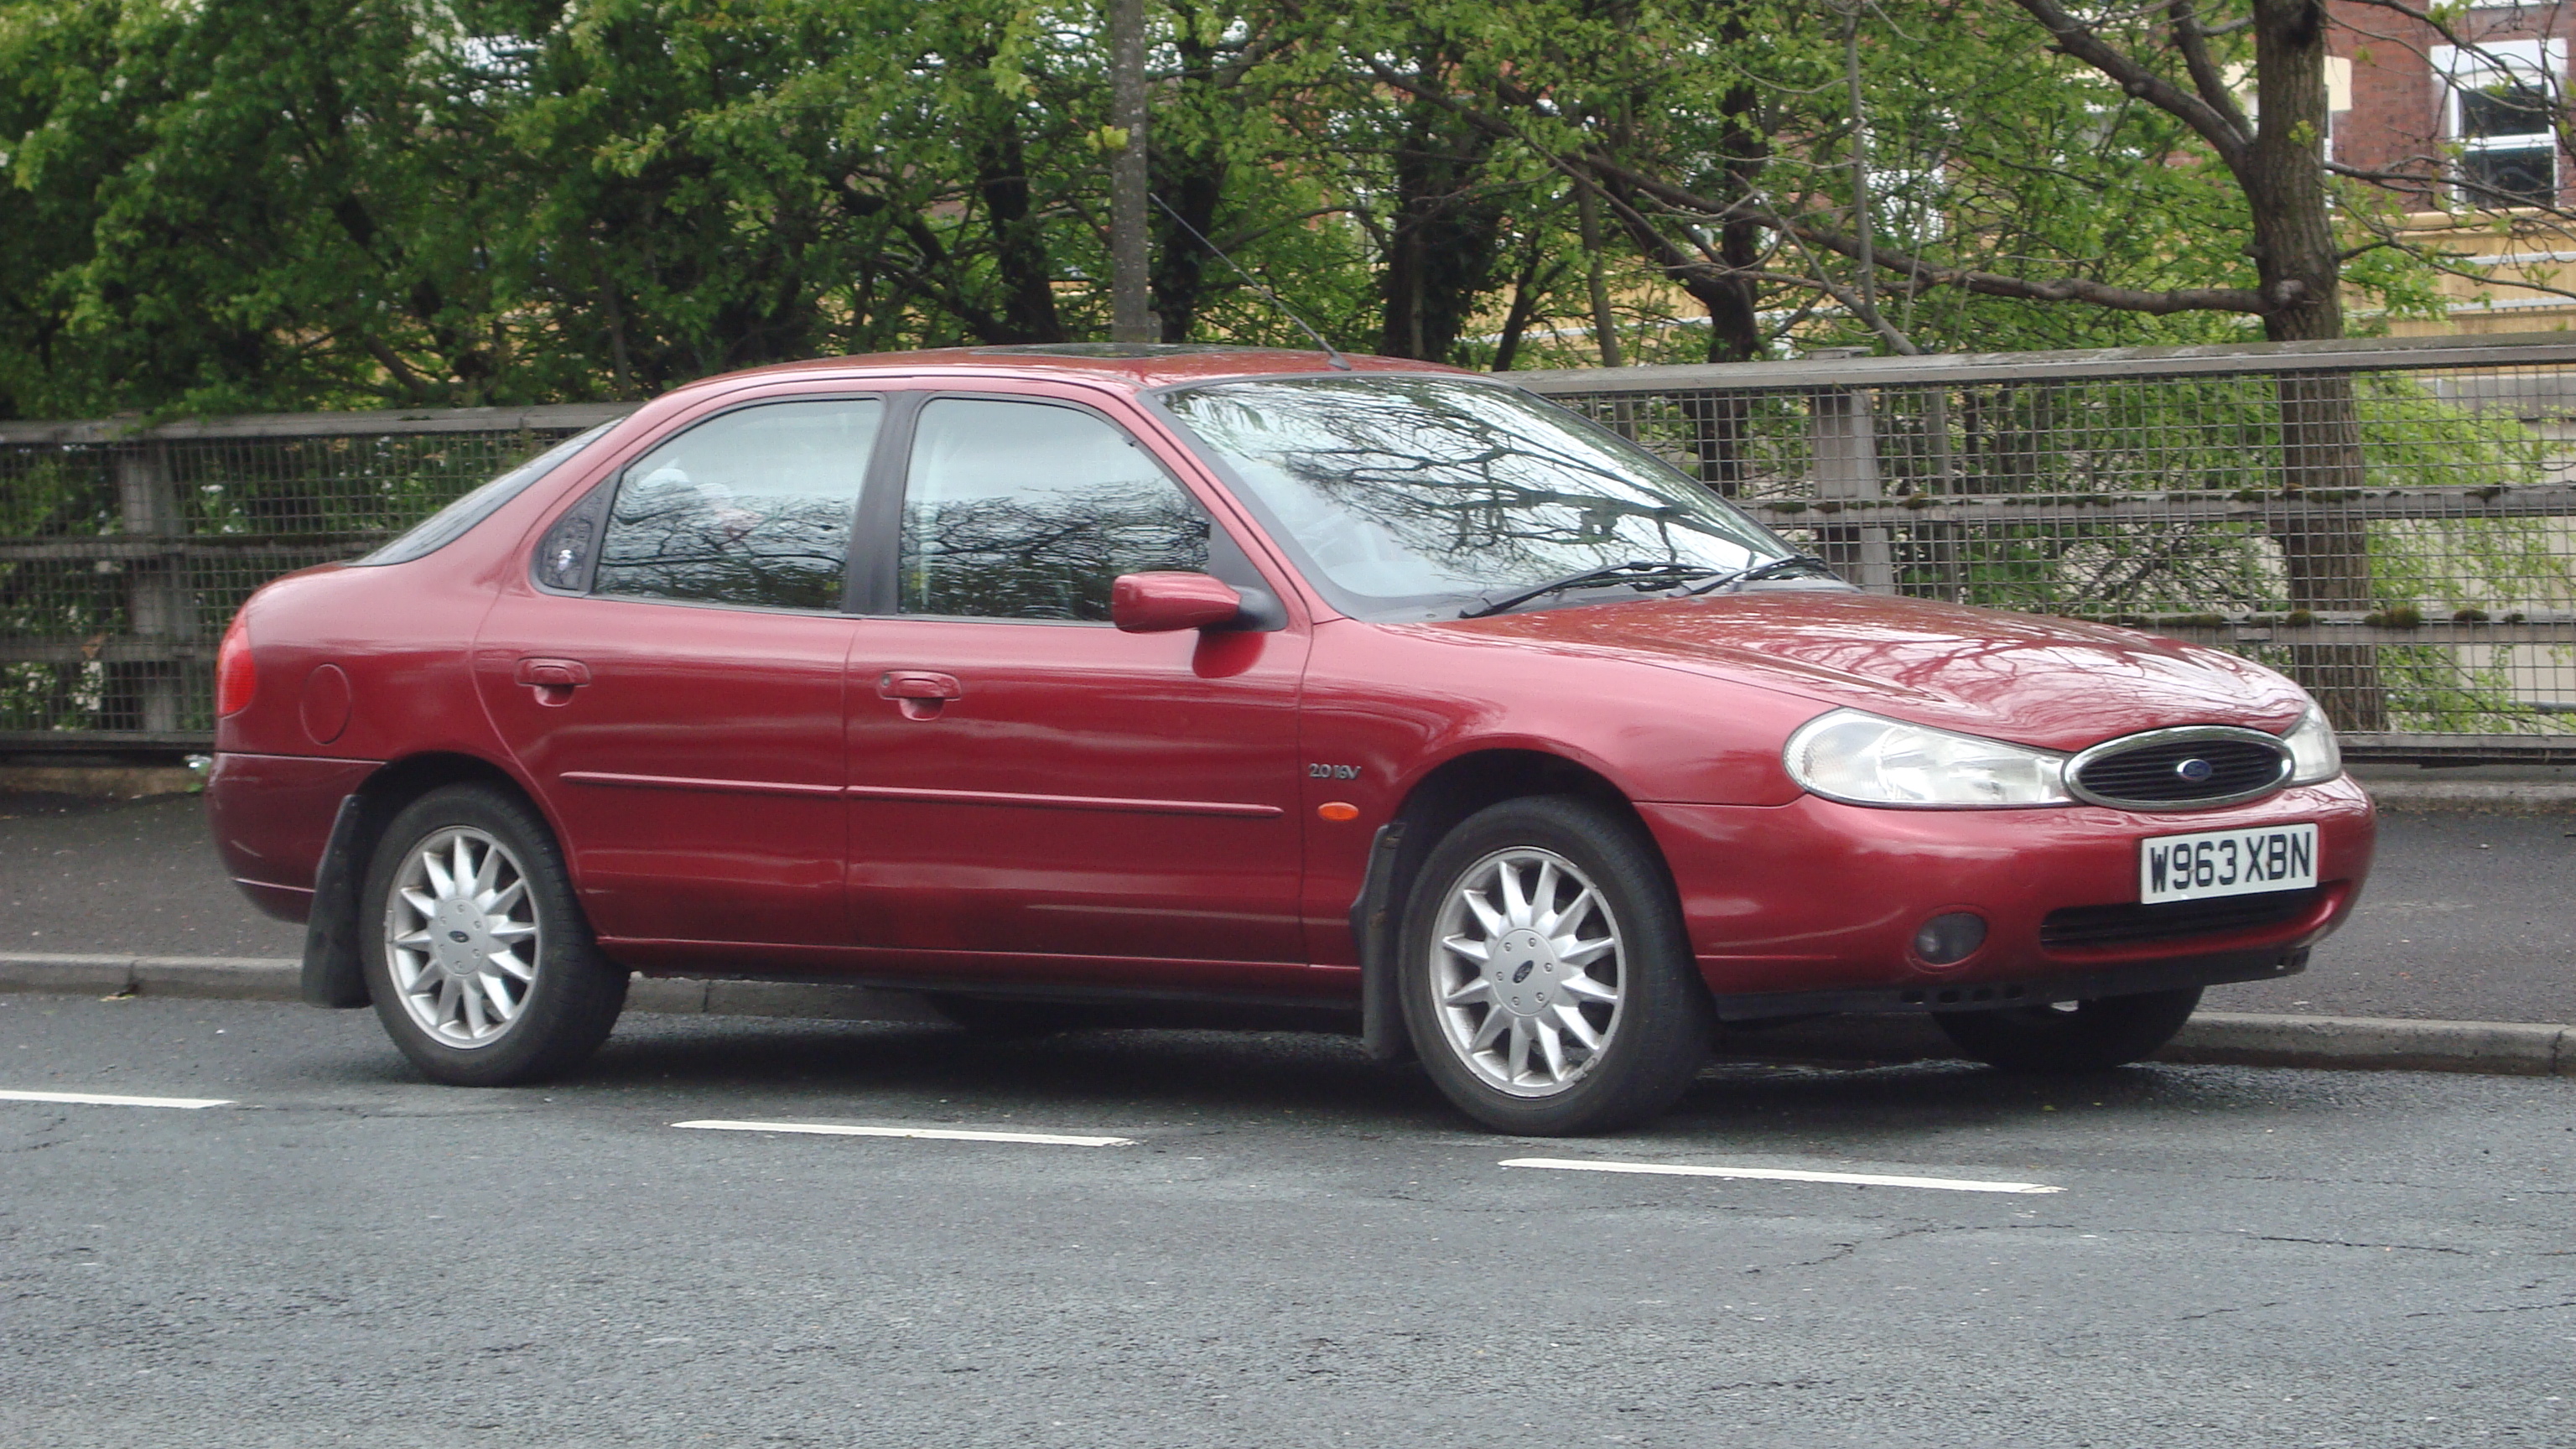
2054 683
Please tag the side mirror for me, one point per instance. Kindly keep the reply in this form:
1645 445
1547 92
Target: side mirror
1161 603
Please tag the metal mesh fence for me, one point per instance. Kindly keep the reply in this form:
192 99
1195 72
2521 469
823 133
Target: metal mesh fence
122 557
2392 523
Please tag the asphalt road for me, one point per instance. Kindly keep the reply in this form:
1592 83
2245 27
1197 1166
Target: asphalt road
2467 917
1295 1248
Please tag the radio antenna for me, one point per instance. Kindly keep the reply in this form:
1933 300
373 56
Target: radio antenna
1332 354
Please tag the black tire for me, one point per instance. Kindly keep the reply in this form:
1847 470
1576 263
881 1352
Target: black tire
1652 1040
561 1015
2078 1036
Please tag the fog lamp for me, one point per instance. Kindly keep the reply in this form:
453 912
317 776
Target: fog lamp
1951 938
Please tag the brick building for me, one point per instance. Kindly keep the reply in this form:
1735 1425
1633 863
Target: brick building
2478 125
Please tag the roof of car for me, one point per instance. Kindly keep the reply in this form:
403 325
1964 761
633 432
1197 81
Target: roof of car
1138 365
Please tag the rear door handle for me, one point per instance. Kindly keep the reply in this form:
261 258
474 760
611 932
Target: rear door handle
920 693
554 680
919 684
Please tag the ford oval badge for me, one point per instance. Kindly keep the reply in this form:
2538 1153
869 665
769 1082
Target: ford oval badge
2196 771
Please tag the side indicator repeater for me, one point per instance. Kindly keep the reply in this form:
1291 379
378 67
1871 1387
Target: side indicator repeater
1336 811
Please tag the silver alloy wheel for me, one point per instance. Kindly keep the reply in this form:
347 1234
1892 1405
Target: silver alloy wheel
461 937
1527 964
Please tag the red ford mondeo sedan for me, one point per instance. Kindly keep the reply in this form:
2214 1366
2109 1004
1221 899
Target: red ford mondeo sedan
1027 676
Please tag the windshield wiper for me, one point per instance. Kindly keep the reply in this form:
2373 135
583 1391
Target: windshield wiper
1763 571
1639 574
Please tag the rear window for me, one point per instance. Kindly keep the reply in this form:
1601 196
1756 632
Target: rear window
458 518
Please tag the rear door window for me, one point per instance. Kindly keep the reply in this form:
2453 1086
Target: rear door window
751 508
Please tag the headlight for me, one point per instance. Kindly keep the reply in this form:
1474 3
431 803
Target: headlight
1864 760
2314 755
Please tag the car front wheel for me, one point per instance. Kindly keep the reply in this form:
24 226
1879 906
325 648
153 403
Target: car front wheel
2071 1036
1549 986
480 962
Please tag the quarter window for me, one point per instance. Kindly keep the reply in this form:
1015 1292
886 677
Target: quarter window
750 507
1020 510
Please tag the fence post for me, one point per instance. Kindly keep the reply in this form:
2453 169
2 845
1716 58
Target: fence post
1843 428
159 610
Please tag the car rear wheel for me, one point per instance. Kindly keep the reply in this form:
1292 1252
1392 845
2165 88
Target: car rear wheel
2071 1036
1549 987
481 965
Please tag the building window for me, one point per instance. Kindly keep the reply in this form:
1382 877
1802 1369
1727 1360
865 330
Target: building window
2501 104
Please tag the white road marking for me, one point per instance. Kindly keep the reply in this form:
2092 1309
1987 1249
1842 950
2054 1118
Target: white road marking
1783 1174
944 1134
106 1099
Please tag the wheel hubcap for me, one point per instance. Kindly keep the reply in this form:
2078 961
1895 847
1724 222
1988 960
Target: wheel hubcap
462 937
1528 968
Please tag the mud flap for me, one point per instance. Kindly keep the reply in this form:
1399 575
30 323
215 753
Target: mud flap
332 975
1373 930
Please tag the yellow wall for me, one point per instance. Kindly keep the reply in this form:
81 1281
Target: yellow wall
2543 252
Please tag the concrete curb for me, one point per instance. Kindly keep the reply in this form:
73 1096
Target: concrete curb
2483 797
222 978
111 782
2500 1047
2219 1038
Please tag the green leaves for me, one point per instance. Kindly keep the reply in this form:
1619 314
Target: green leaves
275 204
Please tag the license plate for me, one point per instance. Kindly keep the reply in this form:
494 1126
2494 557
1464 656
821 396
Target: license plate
2227 863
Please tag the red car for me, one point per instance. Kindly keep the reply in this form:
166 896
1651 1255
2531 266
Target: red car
1029 676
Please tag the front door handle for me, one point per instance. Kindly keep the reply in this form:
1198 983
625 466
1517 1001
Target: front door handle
554 680
921 693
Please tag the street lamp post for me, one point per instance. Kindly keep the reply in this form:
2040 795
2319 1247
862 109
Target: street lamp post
1131 312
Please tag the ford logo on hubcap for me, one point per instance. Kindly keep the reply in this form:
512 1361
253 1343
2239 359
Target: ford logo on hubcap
2195 770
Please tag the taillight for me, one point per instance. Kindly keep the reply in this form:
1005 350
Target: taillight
236 678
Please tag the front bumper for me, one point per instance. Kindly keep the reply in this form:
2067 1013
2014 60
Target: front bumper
1812 906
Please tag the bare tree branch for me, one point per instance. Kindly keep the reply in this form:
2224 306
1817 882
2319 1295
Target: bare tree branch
1913 271
1866 310
1919 272
412 383
2439 24
2079 40
2059 289
2463 264
2193 42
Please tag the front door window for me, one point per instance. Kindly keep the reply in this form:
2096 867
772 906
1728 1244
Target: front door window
1020 510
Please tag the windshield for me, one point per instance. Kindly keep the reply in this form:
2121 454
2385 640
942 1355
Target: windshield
458 518
1412 496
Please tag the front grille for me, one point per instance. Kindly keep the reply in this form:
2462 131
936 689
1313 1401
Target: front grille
2082 928
2241 764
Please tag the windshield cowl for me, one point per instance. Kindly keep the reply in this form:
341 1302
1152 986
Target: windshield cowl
1643 576
1685 593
